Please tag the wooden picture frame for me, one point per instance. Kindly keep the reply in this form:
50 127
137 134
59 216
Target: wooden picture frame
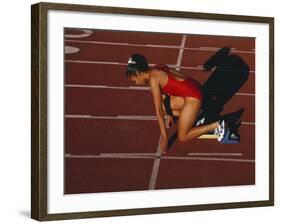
40 102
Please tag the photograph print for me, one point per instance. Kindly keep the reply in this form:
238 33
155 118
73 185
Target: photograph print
157 111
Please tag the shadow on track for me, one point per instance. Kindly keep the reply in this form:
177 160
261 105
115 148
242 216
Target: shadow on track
229 74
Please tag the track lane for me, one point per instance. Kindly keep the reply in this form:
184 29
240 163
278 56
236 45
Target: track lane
208 41
128 37
114 102
108 53
194 174
115 75
95 136
110 175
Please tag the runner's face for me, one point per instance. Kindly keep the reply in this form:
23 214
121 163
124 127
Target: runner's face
139 79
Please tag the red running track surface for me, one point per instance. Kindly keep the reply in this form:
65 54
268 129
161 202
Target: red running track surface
111 133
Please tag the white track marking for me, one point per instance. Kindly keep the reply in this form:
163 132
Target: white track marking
95 62
109 156
208 159
129 154
119 117
86 33
108 87
131 88
125 117
71 50
214 49
245 94
199 67
248 123
106 62
213 154
155 168
233 50
139 87
117 156
123 44
180 55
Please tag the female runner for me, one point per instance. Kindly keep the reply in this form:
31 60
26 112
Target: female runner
184 94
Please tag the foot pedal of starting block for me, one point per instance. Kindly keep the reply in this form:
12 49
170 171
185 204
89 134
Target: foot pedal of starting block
208 136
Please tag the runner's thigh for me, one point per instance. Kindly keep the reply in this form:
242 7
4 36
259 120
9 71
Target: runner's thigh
188 116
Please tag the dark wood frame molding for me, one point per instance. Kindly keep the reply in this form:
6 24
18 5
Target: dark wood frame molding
39 110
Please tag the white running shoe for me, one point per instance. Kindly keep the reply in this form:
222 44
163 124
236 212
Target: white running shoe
220 130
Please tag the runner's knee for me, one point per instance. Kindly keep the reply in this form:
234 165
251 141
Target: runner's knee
185 138
182 137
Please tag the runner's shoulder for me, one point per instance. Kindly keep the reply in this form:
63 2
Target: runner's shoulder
156 74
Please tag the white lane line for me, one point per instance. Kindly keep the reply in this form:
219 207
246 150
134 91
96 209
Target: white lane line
199 67
213 154
208 159
245 94
130 88
136 117
154 157
155 168
108 63
86 33
122 44
158 46
126 117
109 156
158 154
107 87
130 154
119 117
231 50
248 123
180 55
215 48
95 62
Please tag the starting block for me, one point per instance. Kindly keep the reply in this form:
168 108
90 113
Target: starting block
208 136
229 138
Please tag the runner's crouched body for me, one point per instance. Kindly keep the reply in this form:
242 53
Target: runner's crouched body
185 98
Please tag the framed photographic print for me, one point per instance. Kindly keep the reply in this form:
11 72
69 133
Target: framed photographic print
138 111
